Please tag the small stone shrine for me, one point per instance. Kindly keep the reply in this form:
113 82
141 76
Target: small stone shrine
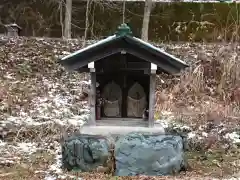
125 68
13 30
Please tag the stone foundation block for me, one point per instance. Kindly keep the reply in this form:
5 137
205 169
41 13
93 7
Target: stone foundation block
148 154
86 152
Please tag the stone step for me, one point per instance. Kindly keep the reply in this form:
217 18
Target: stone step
119 130
114 122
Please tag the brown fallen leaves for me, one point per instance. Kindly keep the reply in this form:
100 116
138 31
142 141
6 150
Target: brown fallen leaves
208 90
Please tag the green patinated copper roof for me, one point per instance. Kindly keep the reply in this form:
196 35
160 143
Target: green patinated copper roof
123 40
123 30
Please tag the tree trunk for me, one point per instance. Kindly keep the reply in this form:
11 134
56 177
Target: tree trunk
86 23
68 19
146 19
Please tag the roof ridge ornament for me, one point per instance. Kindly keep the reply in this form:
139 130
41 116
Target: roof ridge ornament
123 30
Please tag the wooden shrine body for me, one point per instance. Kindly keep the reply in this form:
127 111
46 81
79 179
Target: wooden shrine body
125 68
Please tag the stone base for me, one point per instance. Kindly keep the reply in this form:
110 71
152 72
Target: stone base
147 154
119 130
135 153
86 152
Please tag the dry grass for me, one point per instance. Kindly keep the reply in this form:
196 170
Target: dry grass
210 88
209 164
26 169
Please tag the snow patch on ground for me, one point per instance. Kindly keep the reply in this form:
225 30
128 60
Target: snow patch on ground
27 147
11 153
55 170
60 106
167 121
234 136
2 143
56 167
191 135
49 177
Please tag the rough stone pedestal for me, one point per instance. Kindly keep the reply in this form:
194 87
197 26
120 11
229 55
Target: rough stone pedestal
86 152
148 154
